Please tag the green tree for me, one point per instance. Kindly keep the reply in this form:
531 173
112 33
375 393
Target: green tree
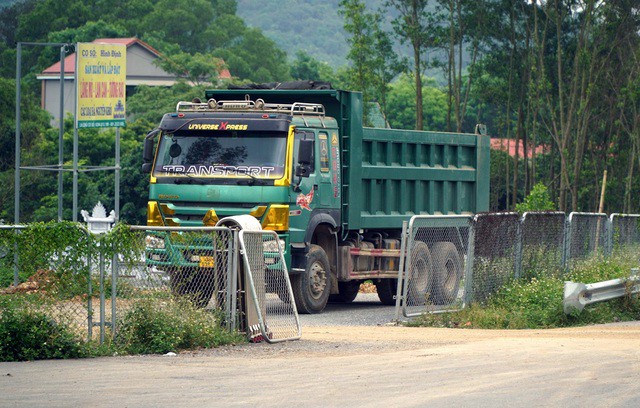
255 58
402 110
415 25
537 200
305 67
373 61
196 68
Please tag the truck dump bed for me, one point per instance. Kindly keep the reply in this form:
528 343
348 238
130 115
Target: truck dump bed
389 175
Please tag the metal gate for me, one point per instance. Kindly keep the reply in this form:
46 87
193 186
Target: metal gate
434 274
270 310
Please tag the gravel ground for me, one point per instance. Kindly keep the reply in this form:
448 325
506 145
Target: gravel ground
365 310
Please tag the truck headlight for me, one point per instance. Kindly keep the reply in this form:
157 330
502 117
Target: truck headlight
272 245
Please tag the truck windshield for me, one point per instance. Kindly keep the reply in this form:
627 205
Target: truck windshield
222 155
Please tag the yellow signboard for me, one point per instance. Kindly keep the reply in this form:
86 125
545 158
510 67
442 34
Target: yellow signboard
100 85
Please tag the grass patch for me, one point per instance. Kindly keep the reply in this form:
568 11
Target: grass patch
537 302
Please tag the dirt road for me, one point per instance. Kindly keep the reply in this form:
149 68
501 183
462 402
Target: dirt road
342 366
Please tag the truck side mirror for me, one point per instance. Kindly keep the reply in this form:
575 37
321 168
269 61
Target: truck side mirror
147 151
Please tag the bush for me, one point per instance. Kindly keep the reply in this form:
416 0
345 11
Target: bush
537 200
157 327
29 335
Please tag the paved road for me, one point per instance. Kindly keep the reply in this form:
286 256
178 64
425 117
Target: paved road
342 365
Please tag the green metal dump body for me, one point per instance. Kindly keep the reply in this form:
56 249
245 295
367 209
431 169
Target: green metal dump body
389 175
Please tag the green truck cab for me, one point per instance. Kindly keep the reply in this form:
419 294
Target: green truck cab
302 164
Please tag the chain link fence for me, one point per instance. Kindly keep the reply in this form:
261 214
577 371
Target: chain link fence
497 248
90 282
50 269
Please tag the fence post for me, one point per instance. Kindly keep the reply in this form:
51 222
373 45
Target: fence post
114 288
517 267
102 299
468 273
90 287
399 293
566 250
609 242
234 253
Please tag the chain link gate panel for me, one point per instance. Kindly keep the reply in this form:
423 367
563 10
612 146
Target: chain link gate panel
196 264
624 235
432 276
542 237
587 237
494 247
271 296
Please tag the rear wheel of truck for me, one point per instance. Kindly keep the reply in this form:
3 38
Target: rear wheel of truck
195 285
348 292
311 288
386 289
448 271
421 276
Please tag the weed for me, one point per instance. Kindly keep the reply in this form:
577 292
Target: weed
537 302
26 334
152 326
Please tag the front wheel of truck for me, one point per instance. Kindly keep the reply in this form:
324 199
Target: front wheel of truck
311 288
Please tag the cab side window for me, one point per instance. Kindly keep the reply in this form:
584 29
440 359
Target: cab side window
303 135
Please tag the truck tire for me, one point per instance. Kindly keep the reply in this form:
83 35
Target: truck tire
420 276
197 286
448 271
348 292
311 288
386 289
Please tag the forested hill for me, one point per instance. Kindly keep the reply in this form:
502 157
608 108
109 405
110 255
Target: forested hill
307 25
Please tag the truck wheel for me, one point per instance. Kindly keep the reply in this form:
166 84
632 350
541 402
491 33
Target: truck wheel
421 277
311 288
348 292
197 286
386 289
448 271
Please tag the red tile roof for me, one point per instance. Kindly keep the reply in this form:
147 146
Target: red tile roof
70 60
509 146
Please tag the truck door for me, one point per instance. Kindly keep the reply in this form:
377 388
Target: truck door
305 194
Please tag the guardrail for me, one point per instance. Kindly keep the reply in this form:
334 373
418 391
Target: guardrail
578 295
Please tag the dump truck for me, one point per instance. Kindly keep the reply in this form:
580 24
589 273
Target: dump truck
336 192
